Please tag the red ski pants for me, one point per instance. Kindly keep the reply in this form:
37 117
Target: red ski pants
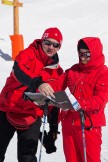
73 142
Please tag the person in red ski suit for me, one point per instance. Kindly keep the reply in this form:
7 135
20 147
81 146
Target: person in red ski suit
88 82
36 64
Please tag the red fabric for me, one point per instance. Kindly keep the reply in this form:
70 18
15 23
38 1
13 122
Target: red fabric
32 62
53 33
21 121
32 56
89 84
73 142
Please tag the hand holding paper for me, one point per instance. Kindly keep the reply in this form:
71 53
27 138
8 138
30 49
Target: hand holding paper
46 90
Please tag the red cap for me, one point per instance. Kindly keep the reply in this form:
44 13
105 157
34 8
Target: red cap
53 33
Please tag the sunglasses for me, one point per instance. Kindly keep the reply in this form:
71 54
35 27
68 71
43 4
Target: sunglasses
49 43
85 54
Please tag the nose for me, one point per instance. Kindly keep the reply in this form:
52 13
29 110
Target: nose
82 58
51 46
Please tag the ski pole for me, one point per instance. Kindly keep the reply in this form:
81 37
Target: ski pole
44 122
83 133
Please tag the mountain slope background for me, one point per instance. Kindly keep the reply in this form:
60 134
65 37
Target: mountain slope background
75 19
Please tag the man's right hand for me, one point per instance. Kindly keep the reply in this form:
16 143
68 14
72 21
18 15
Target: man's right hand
46 90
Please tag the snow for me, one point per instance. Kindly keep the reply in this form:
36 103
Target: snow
76 19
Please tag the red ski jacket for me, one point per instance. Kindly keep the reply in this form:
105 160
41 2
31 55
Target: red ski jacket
89 84
31 67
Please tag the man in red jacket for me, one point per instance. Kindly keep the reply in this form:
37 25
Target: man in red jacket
36 64
88 82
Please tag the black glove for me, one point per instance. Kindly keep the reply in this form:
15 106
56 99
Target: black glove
50 137
49 141
53 119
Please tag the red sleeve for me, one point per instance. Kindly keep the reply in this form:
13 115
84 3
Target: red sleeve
60 83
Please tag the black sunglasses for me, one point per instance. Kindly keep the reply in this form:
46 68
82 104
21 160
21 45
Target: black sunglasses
48 43
85 54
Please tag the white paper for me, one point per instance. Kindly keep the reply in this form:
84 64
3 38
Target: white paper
74 102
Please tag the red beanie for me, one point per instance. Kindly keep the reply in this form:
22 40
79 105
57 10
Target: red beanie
53 33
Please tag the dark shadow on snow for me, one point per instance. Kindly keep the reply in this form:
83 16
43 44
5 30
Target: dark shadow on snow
5 56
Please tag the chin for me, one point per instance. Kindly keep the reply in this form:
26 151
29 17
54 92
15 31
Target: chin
84 62
50 55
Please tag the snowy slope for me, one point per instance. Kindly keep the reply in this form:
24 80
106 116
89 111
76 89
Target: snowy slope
76 19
